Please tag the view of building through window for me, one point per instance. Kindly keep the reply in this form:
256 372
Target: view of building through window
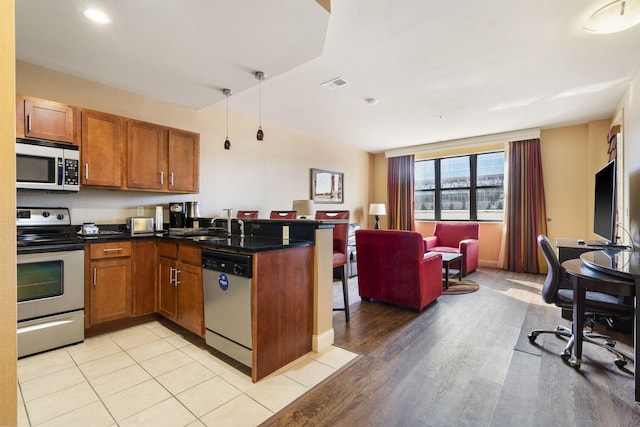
460 188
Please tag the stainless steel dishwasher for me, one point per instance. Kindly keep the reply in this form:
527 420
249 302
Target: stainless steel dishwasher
226 280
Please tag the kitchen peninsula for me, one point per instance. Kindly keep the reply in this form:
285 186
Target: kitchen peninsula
290 308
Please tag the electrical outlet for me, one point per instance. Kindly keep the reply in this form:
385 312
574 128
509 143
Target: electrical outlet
285 232
140 210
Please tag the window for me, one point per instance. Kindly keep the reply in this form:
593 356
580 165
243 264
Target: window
463 188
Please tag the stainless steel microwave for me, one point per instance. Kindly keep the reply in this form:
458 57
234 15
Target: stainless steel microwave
45 165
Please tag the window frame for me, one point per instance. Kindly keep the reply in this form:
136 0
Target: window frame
472 188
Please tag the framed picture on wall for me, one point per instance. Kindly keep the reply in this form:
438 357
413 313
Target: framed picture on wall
327 186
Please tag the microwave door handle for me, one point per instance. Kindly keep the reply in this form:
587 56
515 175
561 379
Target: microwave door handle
60 171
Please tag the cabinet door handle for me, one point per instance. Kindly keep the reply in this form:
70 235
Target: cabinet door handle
171 178
177 282
161 178
86 171
171 275
29 122
108 250
95 273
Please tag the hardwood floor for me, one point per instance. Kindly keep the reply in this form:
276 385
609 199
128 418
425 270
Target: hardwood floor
466 361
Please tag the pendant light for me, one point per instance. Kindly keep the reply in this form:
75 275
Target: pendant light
227 143
260 135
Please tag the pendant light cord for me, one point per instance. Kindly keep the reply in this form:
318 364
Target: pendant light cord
260 99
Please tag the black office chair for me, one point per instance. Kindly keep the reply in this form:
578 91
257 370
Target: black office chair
557 290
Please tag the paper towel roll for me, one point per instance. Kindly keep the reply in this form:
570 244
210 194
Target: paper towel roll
159 218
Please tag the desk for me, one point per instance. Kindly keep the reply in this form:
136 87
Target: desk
609 271
570 248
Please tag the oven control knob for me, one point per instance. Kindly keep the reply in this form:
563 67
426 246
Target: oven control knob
45 214
60 217
238 270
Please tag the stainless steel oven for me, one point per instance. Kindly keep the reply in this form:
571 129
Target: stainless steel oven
50 281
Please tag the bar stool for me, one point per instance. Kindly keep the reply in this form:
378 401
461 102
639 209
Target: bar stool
247 214
283 215
340 253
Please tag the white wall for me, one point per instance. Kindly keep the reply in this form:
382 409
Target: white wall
630 107
265 175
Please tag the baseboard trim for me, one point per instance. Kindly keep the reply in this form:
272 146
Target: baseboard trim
323 341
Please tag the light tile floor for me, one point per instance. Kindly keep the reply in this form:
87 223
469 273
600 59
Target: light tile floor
149 375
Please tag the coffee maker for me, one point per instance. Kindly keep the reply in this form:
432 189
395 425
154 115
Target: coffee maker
192 214
177 215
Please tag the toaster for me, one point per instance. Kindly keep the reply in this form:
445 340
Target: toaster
140 225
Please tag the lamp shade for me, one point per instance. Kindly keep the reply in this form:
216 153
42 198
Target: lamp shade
303 207
377 209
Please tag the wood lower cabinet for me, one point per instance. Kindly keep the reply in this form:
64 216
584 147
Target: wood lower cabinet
101 149
144 276
108 282
42 119
282 307
180 296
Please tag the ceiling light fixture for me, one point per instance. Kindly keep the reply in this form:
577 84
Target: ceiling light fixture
97 16
616 16
227 143
260 76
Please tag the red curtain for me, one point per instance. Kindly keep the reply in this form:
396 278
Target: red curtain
527 213
400 185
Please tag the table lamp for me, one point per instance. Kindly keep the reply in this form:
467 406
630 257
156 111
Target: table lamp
303 207
377 209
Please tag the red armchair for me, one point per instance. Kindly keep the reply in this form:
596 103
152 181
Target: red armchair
393 268
456 237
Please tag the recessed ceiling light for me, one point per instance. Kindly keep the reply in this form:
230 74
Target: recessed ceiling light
97 16
616 16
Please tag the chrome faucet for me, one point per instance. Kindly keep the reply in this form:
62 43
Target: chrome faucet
228 219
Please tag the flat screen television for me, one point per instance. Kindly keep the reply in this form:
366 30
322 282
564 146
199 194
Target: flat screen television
604 212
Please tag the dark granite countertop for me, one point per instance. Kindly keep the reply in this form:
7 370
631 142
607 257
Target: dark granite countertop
246 243
207 240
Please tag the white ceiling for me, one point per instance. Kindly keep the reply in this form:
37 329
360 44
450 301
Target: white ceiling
440 70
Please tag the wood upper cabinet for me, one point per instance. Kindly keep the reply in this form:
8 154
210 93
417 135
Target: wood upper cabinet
146 156
162 159
42 119
101 149
116 152
108 282
184 161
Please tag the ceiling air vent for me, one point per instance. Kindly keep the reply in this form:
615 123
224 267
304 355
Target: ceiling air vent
337 82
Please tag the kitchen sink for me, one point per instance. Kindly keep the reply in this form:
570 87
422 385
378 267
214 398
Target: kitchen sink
212 239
